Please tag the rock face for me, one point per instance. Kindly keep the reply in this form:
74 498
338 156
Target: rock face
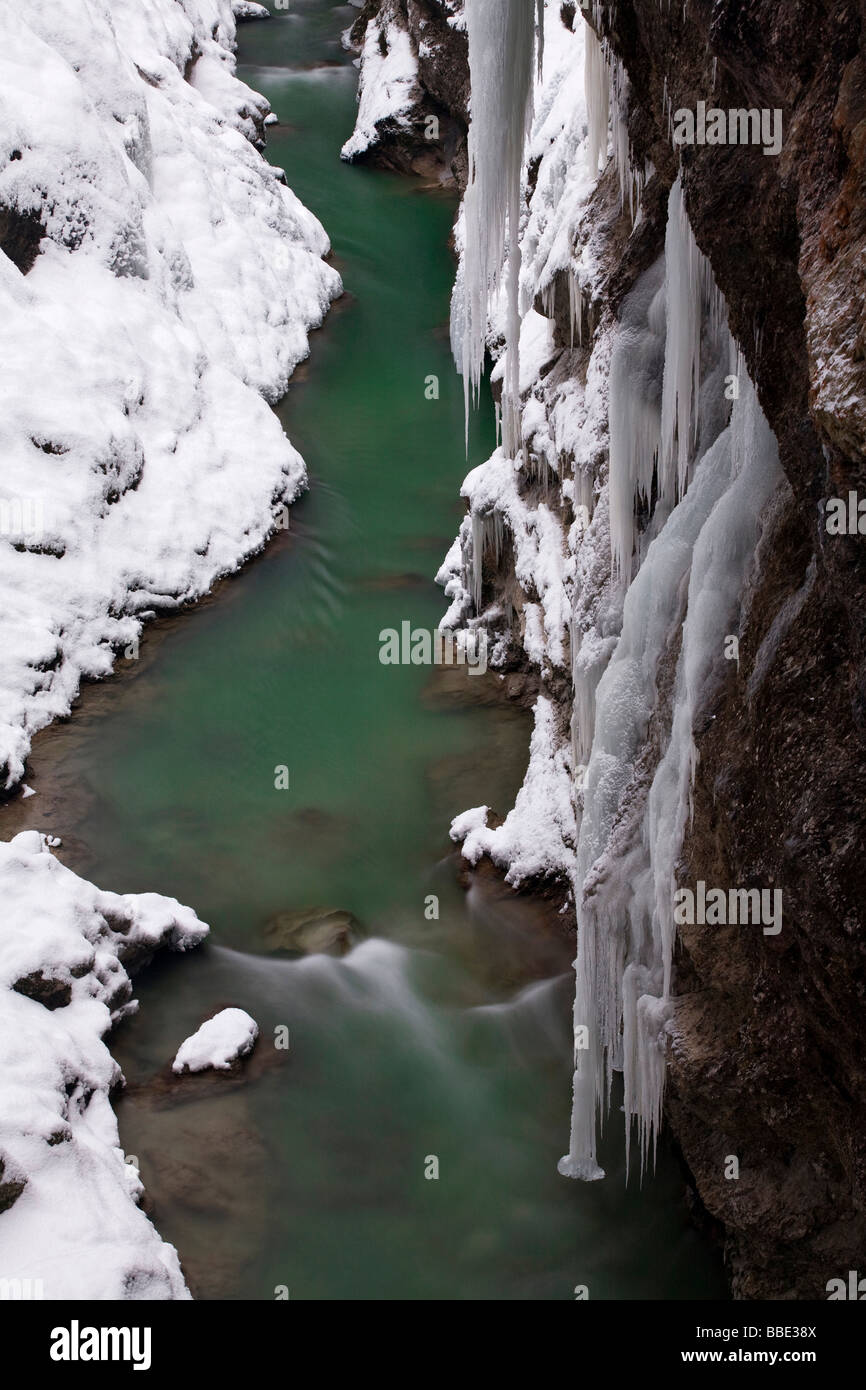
763 1061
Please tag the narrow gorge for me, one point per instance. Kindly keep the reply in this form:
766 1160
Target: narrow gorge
428 416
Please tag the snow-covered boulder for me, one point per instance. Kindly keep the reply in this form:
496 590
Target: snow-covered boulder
68 1197
226 1038
388 90
245 10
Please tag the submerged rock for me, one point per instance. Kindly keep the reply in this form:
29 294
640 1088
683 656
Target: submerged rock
313 931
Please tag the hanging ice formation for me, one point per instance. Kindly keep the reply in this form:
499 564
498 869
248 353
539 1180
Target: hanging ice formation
488 533
501 47
502 42
713 479
606 87
656 411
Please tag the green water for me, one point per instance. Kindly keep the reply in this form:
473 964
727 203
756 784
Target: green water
431 1039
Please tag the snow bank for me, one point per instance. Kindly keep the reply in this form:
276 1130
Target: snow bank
538 836
221 1040
68 1213
157 286
174 288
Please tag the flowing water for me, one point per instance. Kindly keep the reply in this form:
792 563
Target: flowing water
438 1042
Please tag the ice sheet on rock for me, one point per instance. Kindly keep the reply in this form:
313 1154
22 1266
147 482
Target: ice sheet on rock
626 896
76 1225
221 1040
667 398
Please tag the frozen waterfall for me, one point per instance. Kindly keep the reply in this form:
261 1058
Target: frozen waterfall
700 546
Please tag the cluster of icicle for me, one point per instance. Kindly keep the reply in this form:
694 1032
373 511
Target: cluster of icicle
504 36
606 88
715 469
488 534
653 442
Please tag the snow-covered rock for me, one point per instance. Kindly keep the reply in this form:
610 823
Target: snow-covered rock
157 287
221 1040
388 90
68 1196
244 10
519 501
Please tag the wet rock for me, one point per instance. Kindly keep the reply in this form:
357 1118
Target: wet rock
20 236
313 931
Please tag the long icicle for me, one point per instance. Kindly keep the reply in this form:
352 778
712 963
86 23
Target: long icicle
501 52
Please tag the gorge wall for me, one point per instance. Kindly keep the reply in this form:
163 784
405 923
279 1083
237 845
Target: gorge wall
690 400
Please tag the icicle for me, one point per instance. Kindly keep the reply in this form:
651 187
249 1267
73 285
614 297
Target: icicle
575 306
688 287
597 89
634 411
488 533
501 40
606 87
